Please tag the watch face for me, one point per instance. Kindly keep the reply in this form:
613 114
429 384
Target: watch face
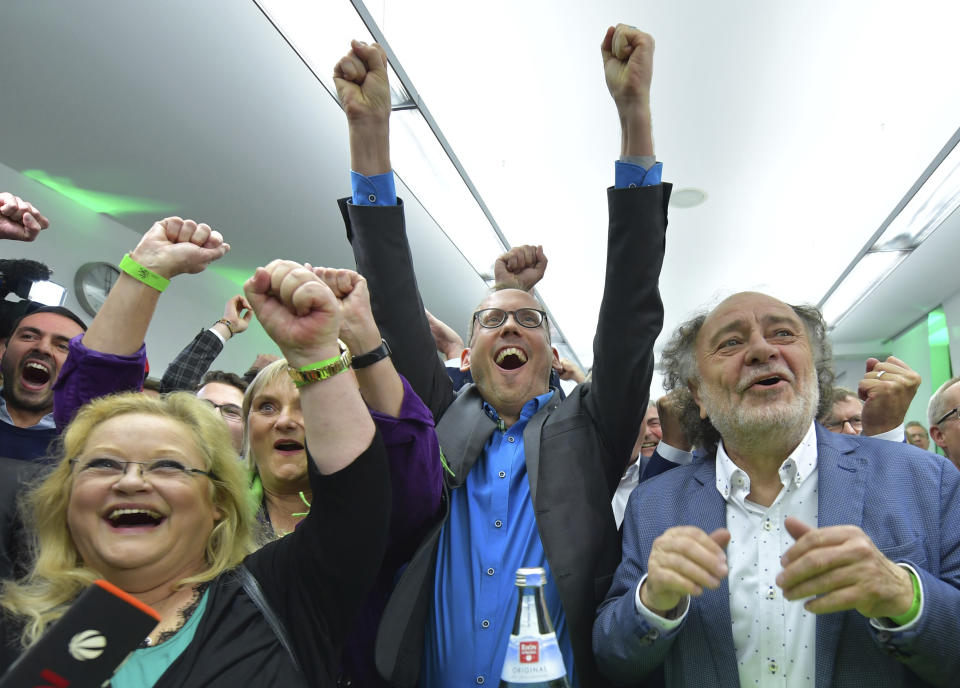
92 283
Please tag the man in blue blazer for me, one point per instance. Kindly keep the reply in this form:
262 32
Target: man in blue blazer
791 556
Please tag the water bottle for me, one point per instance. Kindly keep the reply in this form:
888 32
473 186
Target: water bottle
533 658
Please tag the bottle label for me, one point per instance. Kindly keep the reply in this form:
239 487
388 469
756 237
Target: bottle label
532 659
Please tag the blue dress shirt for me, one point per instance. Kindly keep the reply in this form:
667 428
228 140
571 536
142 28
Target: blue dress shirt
492 529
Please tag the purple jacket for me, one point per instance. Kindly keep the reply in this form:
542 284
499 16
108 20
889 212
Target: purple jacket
88 374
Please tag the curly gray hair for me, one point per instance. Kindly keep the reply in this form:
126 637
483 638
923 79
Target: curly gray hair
678 362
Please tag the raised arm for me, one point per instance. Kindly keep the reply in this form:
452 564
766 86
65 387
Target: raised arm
445 337
301 314
110 356
318 577
631 312
188 368
628 67
171 247
379 382
377 232
402 418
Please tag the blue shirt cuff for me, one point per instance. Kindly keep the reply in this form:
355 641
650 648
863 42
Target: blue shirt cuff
376 190
629 175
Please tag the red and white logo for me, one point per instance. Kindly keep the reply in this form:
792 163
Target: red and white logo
529 652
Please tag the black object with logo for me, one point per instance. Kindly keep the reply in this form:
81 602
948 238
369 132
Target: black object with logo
86 645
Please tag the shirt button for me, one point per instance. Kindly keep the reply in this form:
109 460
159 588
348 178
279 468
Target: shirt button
502 474
767 524
490 572
511 439
772 666
479 680
771 593
485 623
498 523
372 198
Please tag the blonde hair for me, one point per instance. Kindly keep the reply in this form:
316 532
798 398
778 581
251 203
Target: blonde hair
274 372
58 574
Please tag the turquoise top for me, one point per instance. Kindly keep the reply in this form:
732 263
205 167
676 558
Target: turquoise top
145 666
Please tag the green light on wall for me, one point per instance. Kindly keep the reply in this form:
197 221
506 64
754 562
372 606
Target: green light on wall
98 201
937 328
236 276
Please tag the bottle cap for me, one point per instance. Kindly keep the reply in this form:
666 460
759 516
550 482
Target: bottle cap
532 576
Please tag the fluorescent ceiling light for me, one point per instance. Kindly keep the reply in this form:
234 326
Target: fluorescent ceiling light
933 203
320 33
860 282
427 171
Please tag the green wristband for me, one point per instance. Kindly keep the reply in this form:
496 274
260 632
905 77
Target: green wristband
321 364
911 613
142 274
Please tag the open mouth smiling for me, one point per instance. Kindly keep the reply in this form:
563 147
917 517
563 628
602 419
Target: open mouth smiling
510 358
35 374
134 518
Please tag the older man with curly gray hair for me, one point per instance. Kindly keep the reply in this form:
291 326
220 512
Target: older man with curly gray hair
791 554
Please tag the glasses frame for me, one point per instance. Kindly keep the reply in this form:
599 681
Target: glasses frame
949 413
145 475
220 407
856 425
507 314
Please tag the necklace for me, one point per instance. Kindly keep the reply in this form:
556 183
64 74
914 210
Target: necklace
182 617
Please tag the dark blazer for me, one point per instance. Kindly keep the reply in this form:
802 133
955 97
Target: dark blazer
907 503
15 476
575 449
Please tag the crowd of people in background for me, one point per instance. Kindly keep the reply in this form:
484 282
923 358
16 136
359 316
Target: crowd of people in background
352 509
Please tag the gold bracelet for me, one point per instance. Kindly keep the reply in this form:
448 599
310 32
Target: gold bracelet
322 370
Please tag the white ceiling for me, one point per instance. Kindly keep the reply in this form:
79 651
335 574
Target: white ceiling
805 123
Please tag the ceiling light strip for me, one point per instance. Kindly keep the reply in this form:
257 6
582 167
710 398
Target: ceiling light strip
870 244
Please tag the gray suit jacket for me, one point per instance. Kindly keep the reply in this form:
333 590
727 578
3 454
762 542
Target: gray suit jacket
575 449
907 501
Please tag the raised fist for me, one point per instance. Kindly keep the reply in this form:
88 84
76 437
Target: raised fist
19 220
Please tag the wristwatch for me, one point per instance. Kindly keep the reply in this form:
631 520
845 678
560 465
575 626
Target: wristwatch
303 377
372 357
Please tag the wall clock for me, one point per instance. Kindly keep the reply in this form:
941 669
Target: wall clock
92 283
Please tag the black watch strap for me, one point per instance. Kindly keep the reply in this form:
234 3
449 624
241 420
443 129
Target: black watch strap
372 357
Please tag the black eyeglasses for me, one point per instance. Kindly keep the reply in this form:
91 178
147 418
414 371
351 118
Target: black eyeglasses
856 423
951 412
495 317
228 411
161 469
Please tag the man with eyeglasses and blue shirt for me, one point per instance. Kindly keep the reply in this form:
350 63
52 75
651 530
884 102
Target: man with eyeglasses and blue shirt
943 413
530 478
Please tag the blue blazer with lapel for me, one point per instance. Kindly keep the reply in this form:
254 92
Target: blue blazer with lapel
906 500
